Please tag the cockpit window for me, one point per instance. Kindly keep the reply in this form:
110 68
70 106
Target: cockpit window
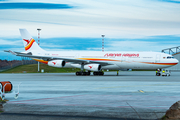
169 57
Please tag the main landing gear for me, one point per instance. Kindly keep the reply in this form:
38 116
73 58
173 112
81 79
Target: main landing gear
88 73
98 73
83 73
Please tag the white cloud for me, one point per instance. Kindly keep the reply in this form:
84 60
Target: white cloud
91 18
53 45
137 46
7 42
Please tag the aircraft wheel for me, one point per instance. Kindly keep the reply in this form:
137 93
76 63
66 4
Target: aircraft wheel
158 74
101 73
88 73
95 73
84 73
78 73
98 73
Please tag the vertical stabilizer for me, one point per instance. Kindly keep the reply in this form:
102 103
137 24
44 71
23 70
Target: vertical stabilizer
29 43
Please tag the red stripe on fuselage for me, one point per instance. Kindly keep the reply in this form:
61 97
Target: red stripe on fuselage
160 63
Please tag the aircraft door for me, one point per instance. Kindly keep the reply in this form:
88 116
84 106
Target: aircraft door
123 62
158 57
123 59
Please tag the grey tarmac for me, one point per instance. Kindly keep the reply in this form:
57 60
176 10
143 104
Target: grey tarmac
131 95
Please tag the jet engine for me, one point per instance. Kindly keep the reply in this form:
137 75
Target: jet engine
92 67
57 63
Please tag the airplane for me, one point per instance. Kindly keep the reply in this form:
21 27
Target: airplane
95 61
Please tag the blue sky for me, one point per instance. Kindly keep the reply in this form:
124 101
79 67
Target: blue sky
140 25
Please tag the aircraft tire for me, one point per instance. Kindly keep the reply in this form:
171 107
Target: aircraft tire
78 73
84 73
88 73
94 73
98 73
101 73
158 74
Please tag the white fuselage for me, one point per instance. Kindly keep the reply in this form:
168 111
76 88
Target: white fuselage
117 60
95 60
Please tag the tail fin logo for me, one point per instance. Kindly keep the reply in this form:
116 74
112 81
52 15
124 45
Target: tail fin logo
29 43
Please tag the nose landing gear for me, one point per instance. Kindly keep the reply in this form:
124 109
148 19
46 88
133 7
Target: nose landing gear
158 72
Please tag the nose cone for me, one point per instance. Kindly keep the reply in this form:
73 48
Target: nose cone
176 61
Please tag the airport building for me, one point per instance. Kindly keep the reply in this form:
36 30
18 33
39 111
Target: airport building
175 51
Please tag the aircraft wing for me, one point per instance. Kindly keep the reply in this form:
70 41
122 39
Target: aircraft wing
48 58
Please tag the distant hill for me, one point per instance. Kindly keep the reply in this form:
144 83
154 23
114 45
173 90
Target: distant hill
33 68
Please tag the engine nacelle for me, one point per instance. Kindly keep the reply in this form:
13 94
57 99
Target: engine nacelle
92 67
57 63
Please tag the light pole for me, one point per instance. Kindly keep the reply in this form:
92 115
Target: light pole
38 43
103 42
